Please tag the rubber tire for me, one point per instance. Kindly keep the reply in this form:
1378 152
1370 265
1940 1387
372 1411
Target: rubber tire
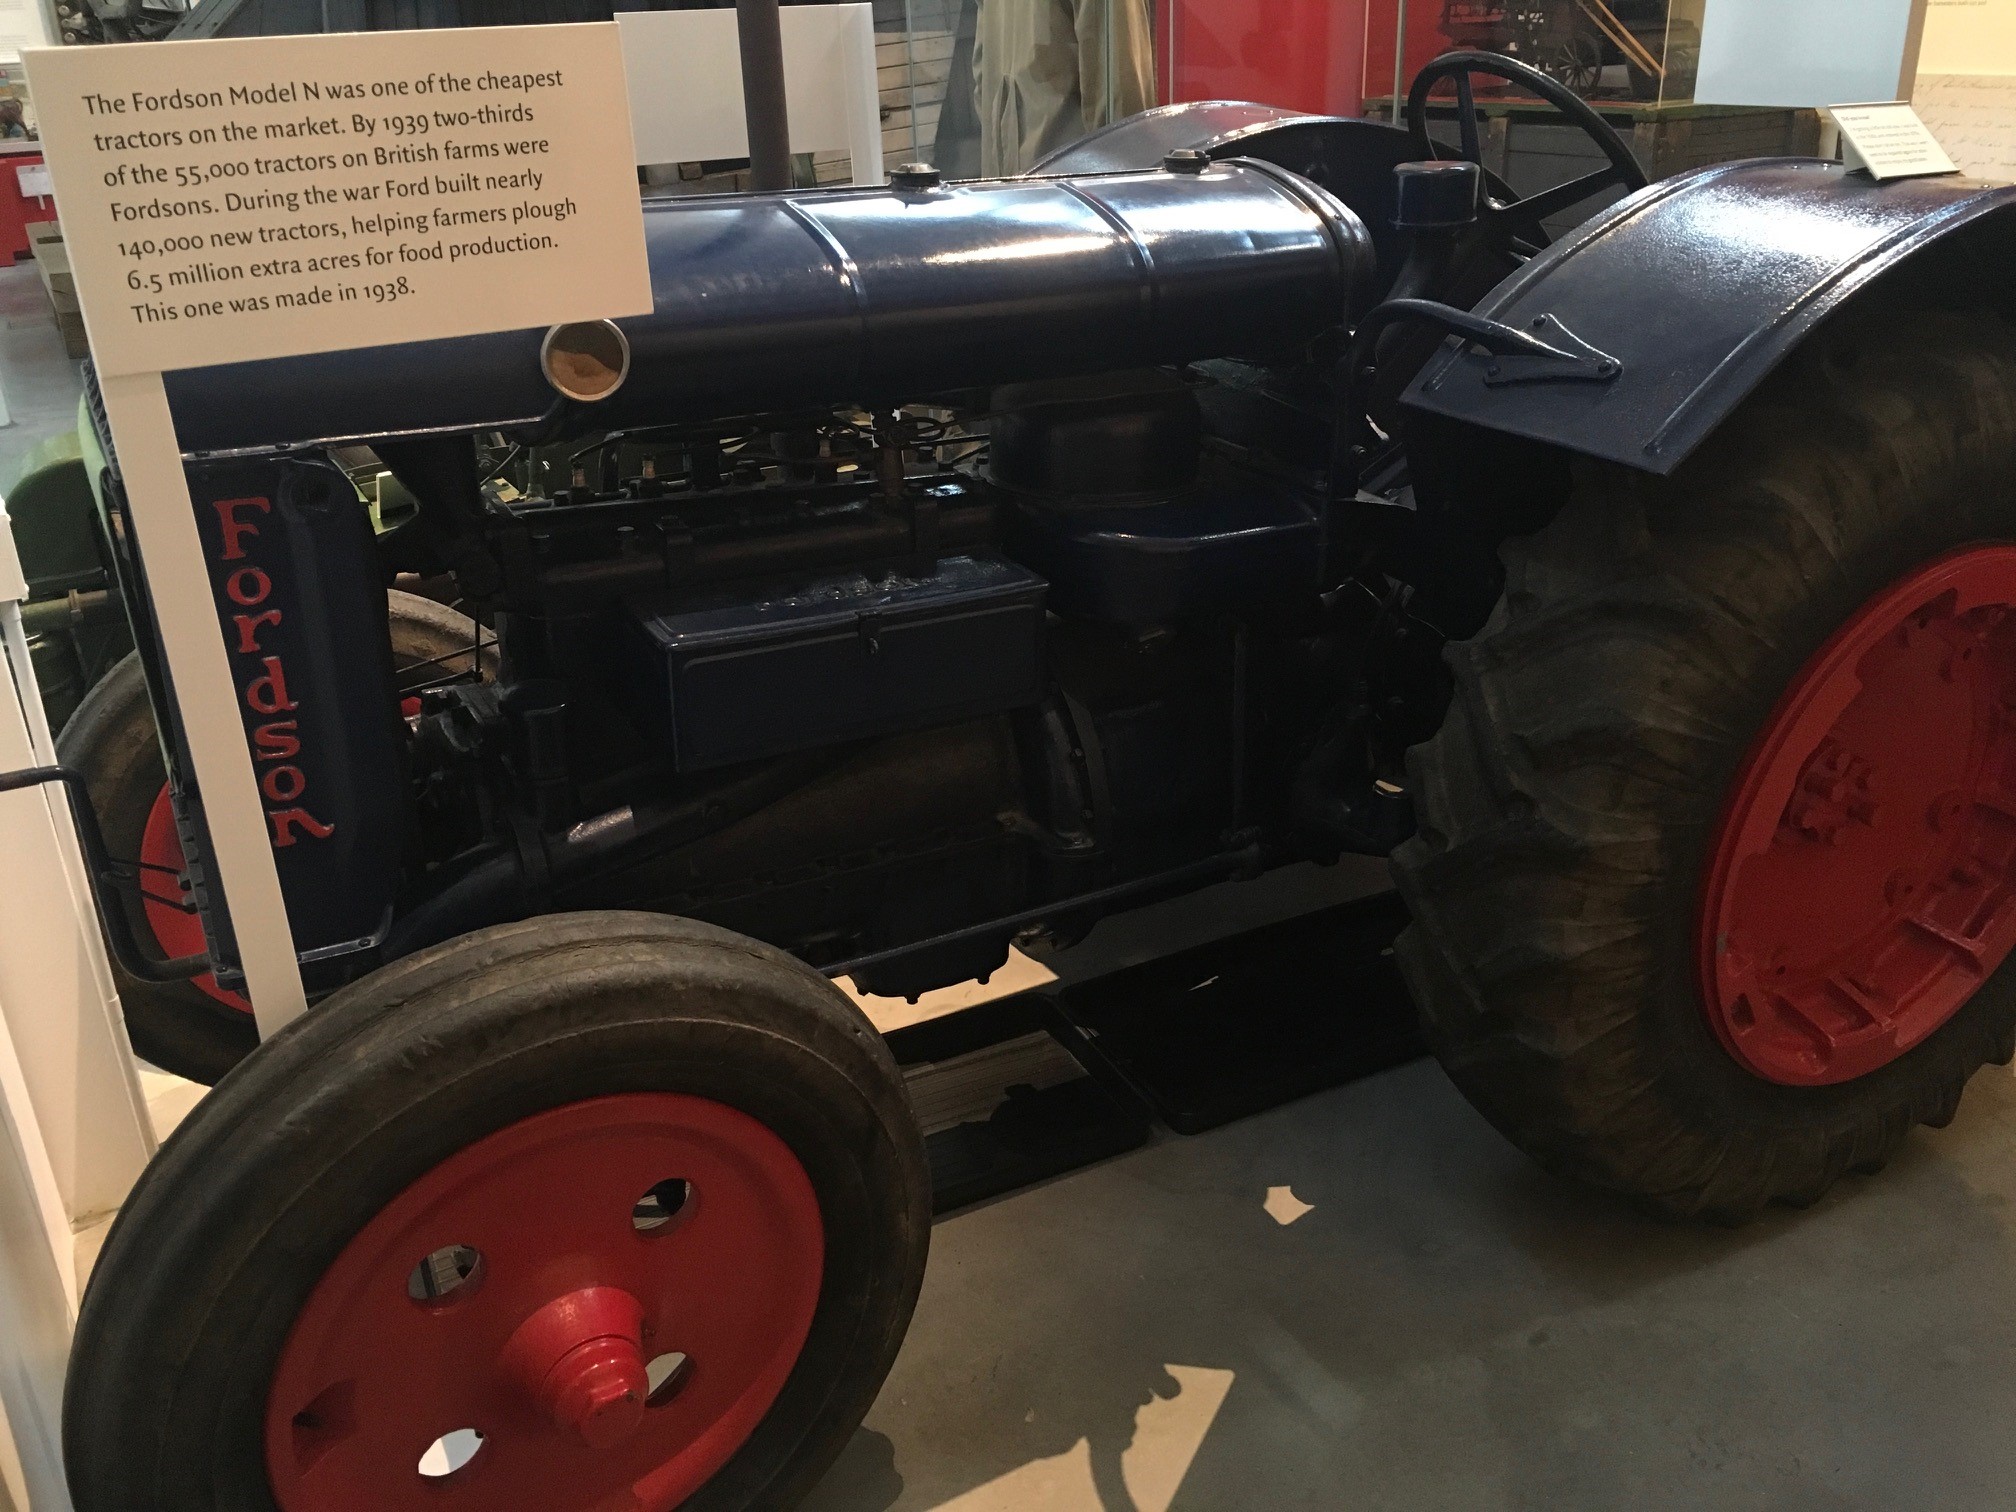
248 1203
176 1025
1567 802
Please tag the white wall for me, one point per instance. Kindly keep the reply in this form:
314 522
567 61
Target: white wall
1971 37
1803 53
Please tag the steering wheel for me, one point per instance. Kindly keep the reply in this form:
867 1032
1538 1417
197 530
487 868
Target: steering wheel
1515 224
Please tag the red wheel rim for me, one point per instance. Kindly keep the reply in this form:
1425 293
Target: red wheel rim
1859 887
165 897
543 1349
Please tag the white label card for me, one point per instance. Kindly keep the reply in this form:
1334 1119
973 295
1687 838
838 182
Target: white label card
1889 141
242 198
234 199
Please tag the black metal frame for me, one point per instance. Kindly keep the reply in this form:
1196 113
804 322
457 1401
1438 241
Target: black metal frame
103 871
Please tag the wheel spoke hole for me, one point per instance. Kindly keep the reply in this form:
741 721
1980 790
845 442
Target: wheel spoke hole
656 1209
324 1423
667 1375
450 1273
450 1453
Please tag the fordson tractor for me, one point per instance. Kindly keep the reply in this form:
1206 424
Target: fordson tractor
943 566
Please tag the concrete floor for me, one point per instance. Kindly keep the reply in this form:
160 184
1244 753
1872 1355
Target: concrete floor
1367 1300
39 383
1447 1327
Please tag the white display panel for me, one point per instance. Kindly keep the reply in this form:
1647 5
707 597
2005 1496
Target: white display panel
1805 53
685 75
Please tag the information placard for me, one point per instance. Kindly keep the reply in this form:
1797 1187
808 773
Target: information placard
234 199
268 196
1889 141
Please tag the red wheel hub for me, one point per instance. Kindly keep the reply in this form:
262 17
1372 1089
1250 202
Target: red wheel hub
1859 886
524 1297
165 896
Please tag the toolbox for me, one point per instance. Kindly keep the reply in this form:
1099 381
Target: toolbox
840 658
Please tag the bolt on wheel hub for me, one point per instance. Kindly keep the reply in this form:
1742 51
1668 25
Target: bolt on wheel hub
592 1307
1859 885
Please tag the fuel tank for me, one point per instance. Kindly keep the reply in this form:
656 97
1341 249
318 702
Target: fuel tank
887 294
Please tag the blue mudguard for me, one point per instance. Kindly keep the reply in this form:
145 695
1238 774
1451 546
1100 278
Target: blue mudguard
1701 285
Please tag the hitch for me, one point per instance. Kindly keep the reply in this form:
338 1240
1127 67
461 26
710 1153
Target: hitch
134 958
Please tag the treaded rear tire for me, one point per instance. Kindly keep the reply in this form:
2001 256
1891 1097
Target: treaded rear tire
1599 717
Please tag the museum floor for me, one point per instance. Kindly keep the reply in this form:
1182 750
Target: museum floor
1367 1300
1446 1327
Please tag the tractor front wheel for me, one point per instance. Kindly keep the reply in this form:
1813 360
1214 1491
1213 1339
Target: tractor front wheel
1715 885
199 1029
595 1210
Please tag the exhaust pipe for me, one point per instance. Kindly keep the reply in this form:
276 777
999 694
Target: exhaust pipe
761 33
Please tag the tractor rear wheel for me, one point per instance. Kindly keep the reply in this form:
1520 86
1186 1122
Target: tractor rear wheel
197 1029
1715 880
587 1211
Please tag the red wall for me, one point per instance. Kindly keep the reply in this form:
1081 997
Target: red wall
1425 43
1303 54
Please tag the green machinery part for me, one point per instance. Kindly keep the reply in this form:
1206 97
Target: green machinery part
76 630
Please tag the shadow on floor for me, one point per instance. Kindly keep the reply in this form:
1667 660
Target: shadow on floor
1448 1327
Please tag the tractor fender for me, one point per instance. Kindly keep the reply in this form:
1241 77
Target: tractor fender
1699 286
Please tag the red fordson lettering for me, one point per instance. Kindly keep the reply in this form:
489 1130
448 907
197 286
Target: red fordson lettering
275 742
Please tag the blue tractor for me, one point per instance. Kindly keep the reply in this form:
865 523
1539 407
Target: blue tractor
941 567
